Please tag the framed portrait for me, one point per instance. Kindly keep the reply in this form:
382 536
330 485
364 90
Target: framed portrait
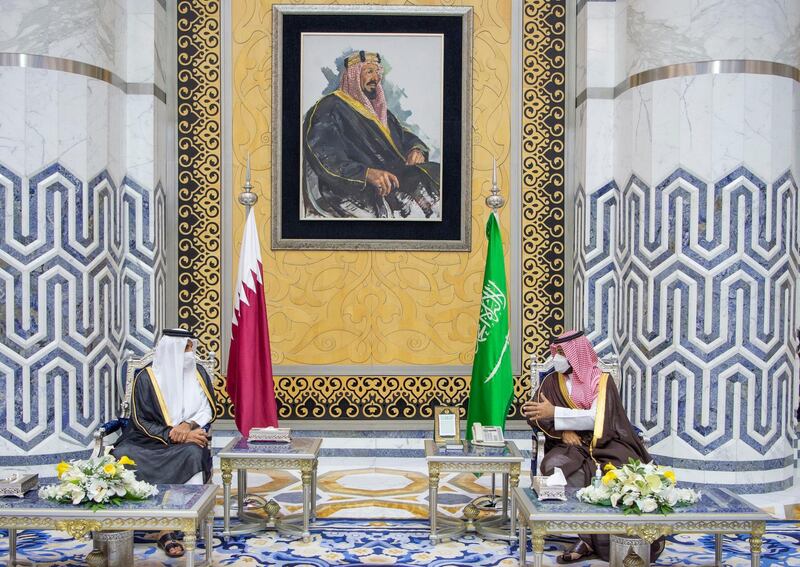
446 425
371 128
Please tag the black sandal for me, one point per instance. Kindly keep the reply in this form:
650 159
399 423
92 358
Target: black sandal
169 543
579 552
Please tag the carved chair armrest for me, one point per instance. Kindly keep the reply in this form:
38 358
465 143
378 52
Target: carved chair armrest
103 431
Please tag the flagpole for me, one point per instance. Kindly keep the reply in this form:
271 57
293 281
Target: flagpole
247 197
495 202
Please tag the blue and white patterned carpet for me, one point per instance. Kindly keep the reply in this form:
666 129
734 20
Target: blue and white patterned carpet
395 542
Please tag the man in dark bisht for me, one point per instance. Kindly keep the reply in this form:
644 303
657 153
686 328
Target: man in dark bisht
171 404
359 161
579 410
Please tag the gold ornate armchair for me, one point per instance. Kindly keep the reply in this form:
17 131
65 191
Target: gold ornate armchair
608 364
128 369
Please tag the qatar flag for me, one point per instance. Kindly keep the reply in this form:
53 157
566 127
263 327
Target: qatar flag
250 385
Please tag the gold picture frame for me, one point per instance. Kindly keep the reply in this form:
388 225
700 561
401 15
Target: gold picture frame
446 425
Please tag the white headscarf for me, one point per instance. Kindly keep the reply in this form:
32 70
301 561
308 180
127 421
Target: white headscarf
176 374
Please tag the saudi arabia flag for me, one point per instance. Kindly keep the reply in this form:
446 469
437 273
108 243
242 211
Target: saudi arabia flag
492 382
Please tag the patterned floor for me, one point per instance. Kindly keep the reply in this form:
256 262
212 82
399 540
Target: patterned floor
396 542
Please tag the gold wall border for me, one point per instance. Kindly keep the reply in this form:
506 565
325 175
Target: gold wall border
541 218
199 175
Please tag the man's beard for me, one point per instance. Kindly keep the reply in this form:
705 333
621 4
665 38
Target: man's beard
372 95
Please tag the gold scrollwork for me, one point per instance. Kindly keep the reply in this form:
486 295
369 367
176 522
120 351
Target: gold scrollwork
199 210
77 529
649 532
199 159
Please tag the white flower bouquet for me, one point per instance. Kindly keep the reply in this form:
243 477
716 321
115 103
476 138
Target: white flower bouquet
639 488
97 482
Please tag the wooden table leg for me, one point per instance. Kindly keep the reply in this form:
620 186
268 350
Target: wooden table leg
513 520
505 496
718 550
227 476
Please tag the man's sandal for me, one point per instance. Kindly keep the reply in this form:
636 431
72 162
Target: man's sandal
578 552
170 544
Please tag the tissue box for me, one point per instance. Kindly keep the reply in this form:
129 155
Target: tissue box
18 485
270 434
544 492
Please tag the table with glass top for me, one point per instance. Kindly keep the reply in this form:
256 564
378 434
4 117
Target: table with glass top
300 454
718 512
506 460
179 507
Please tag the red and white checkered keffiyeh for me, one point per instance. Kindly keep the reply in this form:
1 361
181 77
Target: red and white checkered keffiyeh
585 372
350 84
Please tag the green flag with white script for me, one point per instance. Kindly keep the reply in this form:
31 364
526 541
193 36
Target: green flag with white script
492 381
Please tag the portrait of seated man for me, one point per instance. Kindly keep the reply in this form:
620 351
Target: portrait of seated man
171 403
359 160
579 410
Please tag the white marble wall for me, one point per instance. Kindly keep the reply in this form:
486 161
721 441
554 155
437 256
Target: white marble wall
82 165
696 295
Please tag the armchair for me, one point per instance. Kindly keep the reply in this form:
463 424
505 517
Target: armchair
128 369
609 364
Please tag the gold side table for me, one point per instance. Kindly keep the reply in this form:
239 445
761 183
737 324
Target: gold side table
718 512
180 507
506 460
301 454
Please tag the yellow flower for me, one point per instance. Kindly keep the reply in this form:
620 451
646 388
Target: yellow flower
670 475
110 469
125 460
609 467
609 476
61 468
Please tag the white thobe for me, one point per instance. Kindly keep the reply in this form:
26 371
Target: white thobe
568 419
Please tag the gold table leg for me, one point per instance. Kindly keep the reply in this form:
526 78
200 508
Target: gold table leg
306 478
189 544
537 537
433 497
227 476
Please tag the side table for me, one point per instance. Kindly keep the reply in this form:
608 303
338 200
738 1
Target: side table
301 454
506 460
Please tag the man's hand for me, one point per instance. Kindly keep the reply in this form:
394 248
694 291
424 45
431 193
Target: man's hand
178 433
539 410
571 438
415 156
384 181
198 437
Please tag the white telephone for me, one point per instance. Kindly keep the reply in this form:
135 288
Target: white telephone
490 436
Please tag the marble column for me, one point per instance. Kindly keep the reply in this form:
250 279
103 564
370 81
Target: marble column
81 242
688 226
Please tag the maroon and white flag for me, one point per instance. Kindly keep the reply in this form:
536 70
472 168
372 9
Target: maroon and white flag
250 384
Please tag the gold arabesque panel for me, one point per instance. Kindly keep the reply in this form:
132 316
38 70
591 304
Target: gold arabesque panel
199 148
375 308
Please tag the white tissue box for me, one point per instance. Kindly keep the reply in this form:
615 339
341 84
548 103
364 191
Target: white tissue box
270 434
17 485
545 492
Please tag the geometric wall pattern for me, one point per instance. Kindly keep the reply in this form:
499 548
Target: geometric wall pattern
76 295
694 285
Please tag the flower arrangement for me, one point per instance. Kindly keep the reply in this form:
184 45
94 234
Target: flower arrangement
638 488
97 482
